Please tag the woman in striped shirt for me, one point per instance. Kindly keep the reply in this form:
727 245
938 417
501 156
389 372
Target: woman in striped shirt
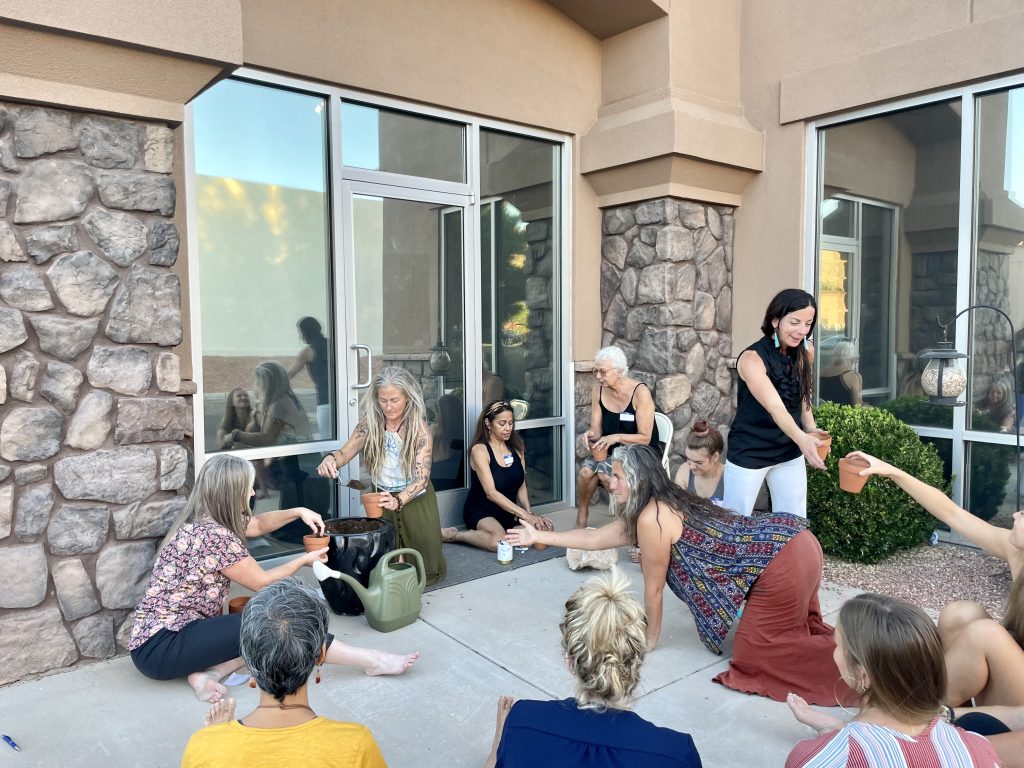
890 653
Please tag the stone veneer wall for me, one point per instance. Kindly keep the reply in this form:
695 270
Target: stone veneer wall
666 301
93 421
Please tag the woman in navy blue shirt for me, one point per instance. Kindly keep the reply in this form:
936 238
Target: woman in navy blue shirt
604 636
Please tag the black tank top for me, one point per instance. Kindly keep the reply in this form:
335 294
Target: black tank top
831 388
755 440
317 369
613 423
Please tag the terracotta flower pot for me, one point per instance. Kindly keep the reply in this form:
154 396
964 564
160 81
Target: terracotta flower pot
849 480
599 454
237 604
825 447
313 543
538 546
371 503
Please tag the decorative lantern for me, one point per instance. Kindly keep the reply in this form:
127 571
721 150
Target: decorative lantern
944 378
440 360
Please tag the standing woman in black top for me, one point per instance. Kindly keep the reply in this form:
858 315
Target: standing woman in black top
497 498
773 432
315 357
621 413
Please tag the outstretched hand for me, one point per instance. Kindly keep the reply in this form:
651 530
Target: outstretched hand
875 466
522 536
808 445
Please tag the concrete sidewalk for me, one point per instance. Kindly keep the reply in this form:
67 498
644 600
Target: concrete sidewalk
487 637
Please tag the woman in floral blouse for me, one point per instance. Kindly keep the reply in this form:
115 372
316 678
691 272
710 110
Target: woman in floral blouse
178 629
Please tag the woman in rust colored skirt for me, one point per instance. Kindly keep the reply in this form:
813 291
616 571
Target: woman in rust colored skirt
713 560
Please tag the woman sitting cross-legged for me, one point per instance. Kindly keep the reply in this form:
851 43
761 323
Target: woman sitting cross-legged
497 498
604 638
890 653
984 659
283 636
712 559
178 629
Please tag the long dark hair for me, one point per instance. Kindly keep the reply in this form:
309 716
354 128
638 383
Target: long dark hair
311 329
493 410
647 480
785 302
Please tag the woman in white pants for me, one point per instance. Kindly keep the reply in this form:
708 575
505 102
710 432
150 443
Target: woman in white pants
773 432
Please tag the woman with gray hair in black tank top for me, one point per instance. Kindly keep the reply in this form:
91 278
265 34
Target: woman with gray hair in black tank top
621 413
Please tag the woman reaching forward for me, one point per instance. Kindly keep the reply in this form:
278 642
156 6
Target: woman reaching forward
178 629
712 559
984 659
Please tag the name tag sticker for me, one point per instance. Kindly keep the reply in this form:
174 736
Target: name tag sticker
627 417
507 458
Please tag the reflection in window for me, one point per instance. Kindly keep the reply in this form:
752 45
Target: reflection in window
991 485
519 245
262 229
543 463
284 483
998 270
397 142
888 241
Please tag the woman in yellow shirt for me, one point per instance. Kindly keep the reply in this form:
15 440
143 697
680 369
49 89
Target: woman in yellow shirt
283 636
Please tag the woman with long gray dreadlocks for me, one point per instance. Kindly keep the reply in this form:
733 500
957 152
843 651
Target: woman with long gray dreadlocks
713 560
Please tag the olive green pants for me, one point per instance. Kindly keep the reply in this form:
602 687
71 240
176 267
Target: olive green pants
418 526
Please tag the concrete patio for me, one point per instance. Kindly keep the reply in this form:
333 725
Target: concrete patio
479 639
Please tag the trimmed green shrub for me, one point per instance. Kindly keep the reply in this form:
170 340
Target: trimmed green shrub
869 526
988 488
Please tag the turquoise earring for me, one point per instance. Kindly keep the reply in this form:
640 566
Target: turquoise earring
775 338
806 345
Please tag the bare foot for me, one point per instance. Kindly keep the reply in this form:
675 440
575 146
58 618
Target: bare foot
819 721
448 535
221 712
207 687
385 663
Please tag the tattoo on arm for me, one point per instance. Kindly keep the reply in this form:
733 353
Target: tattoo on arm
361 430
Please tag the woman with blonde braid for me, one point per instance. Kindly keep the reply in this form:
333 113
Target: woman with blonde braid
604 637
395 443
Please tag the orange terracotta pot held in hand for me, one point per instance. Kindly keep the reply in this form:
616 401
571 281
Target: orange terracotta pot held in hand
313 543
825 447
849 479
371 504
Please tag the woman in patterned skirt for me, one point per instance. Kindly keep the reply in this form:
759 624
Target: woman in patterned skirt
712 560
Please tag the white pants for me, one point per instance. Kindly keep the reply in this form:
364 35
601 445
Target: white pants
787 483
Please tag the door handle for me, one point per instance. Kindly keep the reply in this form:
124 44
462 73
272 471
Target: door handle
369 365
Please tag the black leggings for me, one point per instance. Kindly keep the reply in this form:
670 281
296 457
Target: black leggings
982 724
195 647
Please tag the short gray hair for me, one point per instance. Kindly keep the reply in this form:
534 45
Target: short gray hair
284 627
843 351
615 356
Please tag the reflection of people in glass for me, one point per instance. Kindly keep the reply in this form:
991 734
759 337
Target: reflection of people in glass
279 416
449 444
315 358
621 412
497 498
839 383
396 445
494 387
238 414
997 403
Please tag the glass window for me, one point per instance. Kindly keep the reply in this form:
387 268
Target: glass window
991 483
543 463
998 269
286 482
887 261
398 142
519 257
264 265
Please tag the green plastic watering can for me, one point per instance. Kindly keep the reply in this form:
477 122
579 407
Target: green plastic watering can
395 595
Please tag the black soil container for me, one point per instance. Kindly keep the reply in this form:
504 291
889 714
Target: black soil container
356 544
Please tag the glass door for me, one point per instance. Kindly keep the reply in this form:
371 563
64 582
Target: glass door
404 299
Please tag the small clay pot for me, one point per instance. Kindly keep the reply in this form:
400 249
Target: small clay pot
849 480
538 546
237 604
313 543
599 454
371 503
825 447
